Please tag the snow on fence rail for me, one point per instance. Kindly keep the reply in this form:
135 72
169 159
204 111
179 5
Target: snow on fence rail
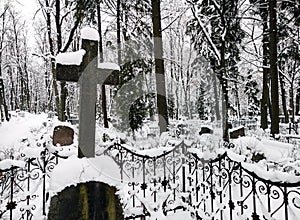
209 186
23 183
219 186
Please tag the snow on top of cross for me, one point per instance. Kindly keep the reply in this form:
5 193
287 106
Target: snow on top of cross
70 58
89 33
109 66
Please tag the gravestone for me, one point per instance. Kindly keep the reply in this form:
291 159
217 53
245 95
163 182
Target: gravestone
63 135
92 200
237 132
205 130
88 72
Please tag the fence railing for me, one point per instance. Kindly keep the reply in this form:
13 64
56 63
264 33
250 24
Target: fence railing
181 176
23 186
217 188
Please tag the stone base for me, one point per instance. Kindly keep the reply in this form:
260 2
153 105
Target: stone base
86 201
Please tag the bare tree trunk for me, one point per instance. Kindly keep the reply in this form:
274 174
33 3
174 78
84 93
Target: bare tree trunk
216 96
283 98
265 92
225 100
159 67
273 68
237 98
52 60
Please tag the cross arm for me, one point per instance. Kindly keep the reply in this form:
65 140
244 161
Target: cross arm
69 65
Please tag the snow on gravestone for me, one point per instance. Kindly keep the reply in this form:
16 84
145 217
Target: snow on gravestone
85 188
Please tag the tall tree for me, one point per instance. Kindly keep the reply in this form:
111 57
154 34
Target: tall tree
3 105
262 10
217 24
273 68
159 67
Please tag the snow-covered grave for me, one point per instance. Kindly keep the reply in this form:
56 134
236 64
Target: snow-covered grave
82 66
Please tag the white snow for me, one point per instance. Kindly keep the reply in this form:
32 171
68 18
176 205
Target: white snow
89 33
236 128
154 152
70 58
32 152
275 176
109 66
102 169
274 150
8 163
22 127
206 155
245 143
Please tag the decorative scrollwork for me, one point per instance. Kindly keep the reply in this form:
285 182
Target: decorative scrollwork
275 193
295 198
228 145
237 178
263 188
242 204
246 181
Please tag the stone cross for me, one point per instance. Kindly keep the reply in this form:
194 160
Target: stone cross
83 67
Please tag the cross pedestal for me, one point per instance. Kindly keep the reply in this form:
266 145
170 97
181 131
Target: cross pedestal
88 73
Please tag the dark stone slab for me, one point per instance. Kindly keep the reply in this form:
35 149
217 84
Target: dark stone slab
239 132
68 73
92 200
205 130
63 135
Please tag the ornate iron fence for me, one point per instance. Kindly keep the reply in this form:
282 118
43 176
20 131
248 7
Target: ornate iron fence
22 184
163 180
148 174
217 188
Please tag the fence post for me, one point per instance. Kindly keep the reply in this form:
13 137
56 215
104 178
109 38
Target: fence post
241 189
231 204
286 203
212 194
220 185
43 157
11 205
28 187
254 214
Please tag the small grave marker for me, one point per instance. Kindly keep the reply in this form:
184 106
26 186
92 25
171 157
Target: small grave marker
237 132
206 130
63 135
82 66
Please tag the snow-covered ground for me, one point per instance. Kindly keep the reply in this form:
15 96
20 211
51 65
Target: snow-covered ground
26 135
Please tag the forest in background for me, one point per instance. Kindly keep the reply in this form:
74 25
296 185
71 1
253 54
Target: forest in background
223 59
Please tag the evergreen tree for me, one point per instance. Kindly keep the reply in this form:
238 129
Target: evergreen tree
131 100
221 34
